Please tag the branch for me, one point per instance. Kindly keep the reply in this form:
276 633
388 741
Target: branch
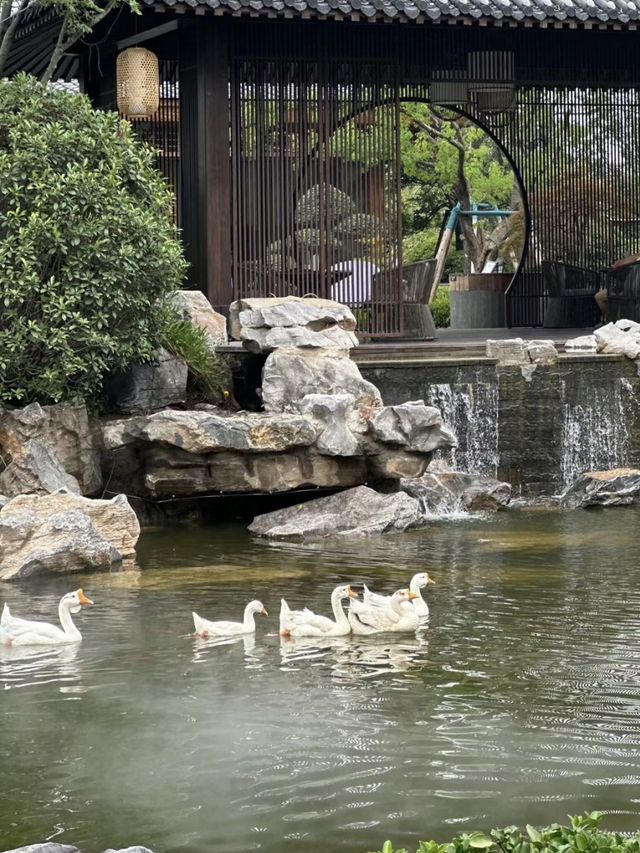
66 41
7 31
433 132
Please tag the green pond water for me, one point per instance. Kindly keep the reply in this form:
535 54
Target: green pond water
520 702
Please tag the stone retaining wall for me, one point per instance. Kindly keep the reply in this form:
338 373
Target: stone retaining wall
537 429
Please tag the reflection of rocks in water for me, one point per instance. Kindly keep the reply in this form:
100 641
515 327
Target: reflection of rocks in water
355 657
24 666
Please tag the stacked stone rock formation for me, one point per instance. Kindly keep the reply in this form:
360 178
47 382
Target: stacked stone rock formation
322 424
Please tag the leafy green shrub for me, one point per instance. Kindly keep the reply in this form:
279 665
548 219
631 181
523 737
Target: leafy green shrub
88 250
208 371
581 836
440 309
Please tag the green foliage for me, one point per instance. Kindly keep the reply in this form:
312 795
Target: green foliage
88 249
209 371
581 836
440 309
431 180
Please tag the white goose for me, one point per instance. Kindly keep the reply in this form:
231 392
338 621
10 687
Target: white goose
26 632
204 628
390 615
418 604
306 623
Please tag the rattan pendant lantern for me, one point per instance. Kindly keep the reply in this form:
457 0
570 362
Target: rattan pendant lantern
137 82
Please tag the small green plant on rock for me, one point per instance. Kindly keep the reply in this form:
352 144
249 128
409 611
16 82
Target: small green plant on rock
581 836
209 372
88 250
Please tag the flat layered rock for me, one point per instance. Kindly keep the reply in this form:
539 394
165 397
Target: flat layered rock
354 513
617 487
64 533
264 325
207 431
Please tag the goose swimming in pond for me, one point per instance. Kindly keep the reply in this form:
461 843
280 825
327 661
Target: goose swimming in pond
389 615
418 604
306 623
205 628
26 632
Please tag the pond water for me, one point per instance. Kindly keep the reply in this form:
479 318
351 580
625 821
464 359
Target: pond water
519 703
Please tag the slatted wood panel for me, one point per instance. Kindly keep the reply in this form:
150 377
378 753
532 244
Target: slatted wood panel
316 179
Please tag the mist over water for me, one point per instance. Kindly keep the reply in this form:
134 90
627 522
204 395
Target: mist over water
519 702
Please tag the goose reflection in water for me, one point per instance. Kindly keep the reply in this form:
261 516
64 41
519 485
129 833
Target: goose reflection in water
25 666
202 645
350 657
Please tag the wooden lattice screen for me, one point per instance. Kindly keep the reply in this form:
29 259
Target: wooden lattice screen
314 148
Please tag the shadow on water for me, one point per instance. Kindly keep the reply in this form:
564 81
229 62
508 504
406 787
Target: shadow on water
518 701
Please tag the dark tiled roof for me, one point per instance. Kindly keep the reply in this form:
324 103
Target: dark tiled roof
602 11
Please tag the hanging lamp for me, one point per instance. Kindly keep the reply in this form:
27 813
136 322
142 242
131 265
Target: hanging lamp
137 83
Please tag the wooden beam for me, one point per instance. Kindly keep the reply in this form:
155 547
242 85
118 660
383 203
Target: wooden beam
214 160
205 160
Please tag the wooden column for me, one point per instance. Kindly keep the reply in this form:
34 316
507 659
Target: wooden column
206 161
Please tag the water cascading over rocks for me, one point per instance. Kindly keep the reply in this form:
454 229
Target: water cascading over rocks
595 431
471 411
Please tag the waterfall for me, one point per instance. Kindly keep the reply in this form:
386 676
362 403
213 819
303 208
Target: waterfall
595 430
471 411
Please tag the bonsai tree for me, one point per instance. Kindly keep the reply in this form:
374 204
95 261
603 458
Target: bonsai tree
88 248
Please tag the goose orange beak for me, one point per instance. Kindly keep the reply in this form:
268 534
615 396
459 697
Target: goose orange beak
430 580
352 593
82 598
264 611
411 594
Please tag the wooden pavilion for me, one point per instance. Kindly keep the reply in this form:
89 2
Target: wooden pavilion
278 128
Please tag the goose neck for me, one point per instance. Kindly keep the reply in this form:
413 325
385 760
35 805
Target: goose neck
64 614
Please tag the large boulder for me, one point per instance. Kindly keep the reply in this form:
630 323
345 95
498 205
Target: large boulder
265 324
454 491
355 513
64 533
193 305
617 487
46 448
149 387
289 375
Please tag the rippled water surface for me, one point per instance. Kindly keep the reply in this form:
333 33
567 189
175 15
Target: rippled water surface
520 702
